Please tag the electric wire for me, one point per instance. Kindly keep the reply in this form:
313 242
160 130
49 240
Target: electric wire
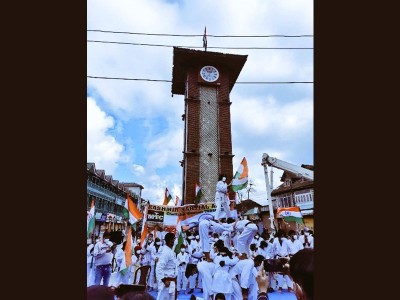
198 47
162 80
200 35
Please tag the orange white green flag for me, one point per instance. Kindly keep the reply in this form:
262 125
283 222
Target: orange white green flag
90 220
145 229
127 252
167 197
290 214
131 212
241 177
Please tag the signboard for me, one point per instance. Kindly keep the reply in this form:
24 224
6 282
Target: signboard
155 216
103 217
185 214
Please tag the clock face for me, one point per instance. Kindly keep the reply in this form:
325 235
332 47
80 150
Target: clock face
209 73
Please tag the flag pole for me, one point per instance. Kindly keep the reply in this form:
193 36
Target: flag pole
205 39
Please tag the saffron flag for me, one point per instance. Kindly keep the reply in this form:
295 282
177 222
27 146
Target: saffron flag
290 214
205 39
241 177
127 252
131 212
145 229
167 197
197 193
90 220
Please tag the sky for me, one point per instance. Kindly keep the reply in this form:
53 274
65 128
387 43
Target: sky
135 128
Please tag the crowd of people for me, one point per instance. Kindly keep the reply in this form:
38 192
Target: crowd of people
225 258
216 257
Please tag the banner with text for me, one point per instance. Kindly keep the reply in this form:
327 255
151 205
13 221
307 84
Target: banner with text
168 215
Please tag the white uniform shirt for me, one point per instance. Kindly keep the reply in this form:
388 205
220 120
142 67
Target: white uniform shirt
266 252
182 258
166 265
221 189
295 246
281 250
156 253
244 268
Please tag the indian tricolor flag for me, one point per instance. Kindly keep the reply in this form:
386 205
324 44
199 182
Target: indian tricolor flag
290 214
180 237
167 197
128 252
145 229
197 193
240 179
131 212
90 219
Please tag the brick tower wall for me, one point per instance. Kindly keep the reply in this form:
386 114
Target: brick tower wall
196 158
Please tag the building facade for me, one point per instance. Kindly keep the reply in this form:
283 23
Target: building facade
296 191
109 196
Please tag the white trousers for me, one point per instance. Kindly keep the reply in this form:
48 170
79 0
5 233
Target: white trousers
244 239
164 292
204 226
237 290
181 280
192 281
222 199
151 282
280 279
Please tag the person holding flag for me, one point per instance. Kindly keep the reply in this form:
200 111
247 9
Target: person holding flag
222 197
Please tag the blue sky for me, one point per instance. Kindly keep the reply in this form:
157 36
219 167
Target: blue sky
134 129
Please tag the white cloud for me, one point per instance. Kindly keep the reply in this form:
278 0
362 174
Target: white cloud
271 119
267 117
139 170
102 148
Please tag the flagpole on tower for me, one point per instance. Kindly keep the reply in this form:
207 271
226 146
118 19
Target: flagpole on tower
205 39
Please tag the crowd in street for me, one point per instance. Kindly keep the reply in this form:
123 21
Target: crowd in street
221 257
218 256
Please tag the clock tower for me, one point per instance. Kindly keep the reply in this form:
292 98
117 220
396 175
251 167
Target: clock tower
205 79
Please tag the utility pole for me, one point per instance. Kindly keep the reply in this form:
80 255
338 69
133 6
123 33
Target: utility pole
249 189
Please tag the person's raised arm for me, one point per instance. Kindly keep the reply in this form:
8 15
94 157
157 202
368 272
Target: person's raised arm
262 282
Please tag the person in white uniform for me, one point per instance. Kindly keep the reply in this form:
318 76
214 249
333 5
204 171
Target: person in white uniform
222 282
182 260
222 197
206 269
240 274
294 243
156 251
204 228
281 249
166 270
195 255
247 230
265 250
